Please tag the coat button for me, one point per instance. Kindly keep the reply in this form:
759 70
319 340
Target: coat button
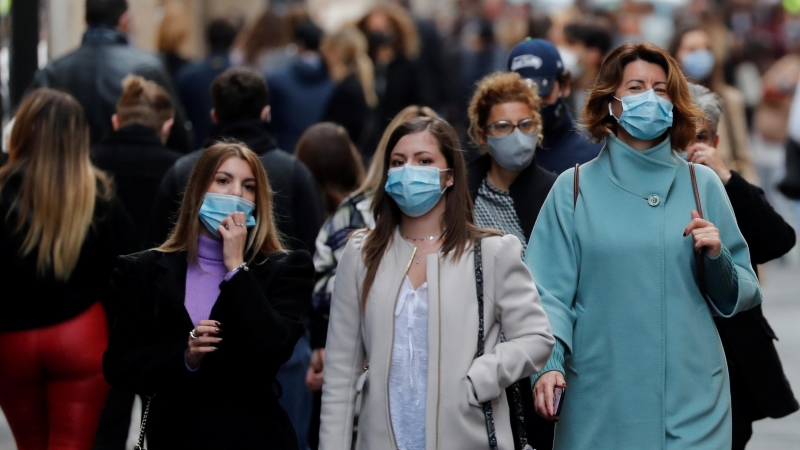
653 200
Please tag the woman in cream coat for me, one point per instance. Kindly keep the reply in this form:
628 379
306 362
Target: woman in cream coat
404 314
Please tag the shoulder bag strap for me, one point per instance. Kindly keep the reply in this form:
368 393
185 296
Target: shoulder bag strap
576 186
701 266
521 441
487 406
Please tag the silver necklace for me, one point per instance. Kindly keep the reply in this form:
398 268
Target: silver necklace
428 240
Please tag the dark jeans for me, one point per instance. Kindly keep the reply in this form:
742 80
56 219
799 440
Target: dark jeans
296 398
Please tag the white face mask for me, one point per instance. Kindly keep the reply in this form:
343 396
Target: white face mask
571 62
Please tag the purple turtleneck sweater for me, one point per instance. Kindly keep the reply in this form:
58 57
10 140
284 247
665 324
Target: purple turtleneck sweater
203 279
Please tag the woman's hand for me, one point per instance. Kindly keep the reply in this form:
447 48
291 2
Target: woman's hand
705 235
316 370
544 392
233 231
207 332
708 156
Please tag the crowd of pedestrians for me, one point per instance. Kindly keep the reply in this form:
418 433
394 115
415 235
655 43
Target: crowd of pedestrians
403 233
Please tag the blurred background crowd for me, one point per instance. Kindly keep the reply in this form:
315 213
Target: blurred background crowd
339 71
359 62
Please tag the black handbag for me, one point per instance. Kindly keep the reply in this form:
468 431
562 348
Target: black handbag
513 391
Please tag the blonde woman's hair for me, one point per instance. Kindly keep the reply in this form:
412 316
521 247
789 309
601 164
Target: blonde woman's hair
353 47
406 39
49 150
263 239
144 102
173 29
376 167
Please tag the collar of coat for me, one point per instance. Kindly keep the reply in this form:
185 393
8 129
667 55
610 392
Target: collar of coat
641 173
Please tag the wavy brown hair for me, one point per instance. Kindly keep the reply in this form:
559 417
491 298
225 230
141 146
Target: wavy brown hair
686 116
458 220
49 150
496 89
263 239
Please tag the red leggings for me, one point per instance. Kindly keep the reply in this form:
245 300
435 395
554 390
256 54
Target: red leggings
52 388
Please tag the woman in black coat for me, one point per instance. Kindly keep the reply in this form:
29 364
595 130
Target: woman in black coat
207 319
759 387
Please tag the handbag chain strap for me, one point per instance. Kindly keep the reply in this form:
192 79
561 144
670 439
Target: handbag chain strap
488 413
140 443
487 406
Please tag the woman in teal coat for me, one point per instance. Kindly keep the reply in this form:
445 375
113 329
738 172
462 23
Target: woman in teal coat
618 273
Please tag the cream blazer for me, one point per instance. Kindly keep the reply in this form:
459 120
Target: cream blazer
359 346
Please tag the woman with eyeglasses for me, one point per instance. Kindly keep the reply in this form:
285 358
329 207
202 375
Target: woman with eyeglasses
506 184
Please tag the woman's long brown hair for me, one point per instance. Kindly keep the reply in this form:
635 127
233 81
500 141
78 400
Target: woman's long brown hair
263 239
458 220
686 116
49 148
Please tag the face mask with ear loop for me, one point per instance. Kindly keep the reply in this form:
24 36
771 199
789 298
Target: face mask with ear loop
415 189
645 116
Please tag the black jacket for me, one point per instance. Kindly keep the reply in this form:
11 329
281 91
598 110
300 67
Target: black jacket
136 158
93 74
348 107
42 300
564 146
747 337
297 204
528 191
230 401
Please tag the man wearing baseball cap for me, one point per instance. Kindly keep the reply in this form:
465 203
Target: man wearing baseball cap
563 146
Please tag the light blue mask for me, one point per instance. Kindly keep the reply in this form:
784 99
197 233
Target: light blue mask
216 207
698 64
645 116
415 189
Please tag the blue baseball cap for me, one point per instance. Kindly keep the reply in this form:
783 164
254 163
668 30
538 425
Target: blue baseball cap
537 60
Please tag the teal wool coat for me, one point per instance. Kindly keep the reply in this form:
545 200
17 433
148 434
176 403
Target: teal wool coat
643 361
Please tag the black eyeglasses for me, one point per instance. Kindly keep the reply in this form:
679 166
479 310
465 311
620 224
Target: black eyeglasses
504 128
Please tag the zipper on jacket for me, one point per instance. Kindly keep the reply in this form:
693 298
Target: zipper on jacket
439 366
391 350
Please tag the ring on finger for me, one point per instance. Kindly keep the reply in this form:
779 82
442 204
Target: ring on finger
192 334
239 224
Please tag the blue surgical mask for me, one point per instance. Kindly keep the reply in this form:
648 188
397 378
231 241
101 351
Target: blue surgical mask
415 189
645 116
698 64
217 207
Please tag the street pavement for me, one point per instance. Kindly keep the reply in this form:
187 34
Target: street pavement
781 286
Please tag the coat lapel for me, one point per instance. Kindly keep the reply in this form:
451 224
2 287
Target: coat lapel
641 173
171 283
